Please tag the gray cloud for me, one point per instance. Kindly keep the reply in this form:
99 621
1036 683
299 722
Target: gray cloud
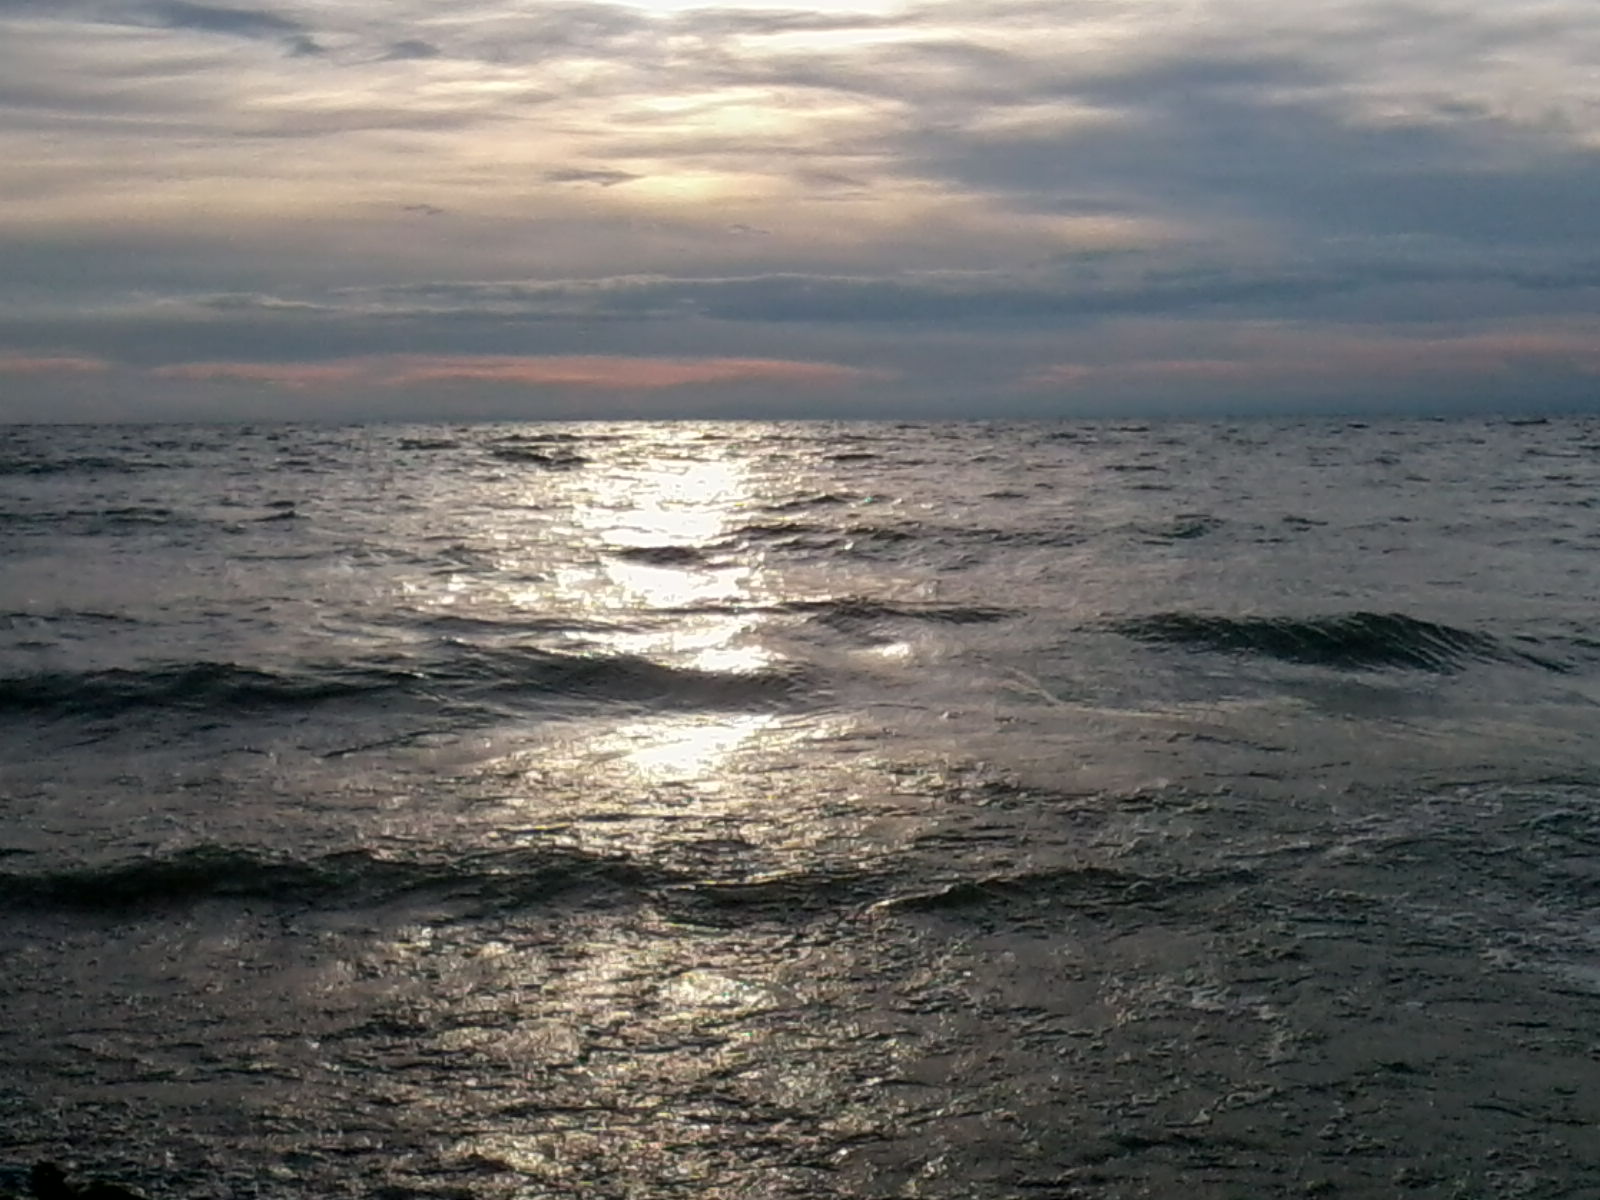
239 22
1088 289
183 15
1302 164
601 177
725 22
413 48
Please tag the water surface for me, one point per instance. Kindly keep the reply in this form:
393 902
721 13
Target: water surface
803 810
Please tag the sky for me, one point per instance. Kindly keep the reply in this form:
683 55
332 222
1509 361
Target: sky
351 209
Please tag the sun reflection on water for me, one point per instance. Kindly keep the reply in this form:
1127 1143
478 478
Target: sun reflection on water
644 536
668 501
683 750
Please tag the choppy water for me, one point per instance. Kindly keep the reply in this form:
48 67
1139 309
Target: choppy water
746 810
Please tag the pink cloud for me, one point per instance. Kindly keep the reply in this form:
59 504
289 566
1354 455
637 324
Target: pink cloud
1074 374
1274 355
295 375
20 364
574 371
631 374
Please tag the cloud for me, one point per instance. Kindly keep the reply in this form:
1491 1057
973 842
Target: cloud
570 371
1275 356
1110 199
293 375
597 176
412 48
238 22
21 364
1334 123
1076 290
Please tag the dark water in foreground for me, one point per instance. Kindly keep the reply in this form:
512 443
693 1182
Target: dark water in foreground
771 811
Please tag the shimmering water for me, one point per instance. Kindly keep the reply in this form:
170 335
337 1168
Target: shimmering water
754 810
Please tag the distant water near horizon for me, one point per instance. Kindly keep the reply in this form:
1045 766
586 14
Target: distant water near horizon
782 810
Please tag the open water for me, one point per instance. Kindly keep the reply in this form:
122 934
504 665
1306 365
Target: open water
770 811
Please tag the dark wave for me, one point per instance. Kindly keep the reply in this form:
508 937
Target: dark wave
815 500
1064 536
137 514
209 872
545 876
662 556
90 521
851 610
790 535
455 672
83 464
925 533
487 881
535 439
631 679
15 620
1359 640
888 535
788 896
1183 528
426 444
208 686
539 458
1083 886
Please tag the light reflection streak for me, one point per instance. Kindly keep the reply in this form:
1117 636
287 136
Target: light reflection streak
669 751
641 563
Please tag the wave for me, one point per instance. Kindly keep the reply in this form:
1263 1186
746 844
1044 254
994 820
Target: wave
426 444
1355 641
548 876
888 535
137 514
455 672
662 556
815 500
852 610
210 872
788 535
488 881
1082 886
807 535
196 685
535 439
538 458
632 679
84 464
90 521
22 619
1184 527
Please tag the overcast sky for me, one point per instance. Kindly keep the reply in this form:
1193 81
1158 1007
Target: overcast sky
350 208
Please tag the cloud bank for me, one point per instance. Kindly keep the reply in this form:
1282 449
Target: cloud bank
971 207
